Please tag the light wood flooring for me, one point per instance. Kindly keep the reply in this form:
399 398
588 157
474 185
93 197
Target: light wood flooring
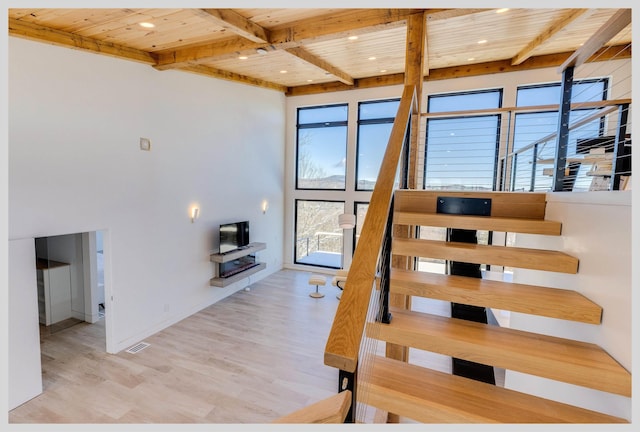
250 358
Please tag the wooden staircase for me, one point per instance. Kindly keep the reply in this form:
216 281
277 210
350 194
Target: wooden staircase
427 395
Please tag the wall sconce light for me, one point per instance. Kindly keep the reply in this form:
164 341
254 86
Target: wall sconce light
195 212
265 206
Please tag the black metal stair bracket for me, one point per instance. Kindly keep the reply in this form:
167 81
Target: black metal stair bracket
348 381
475 207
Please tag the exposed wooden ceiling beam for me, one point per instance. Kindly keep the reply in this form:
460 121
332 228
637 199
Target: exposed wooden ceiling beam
236 23
322 64
219 50
553 29
545 61
425 49
414 51
341 24
452 13
604 34
347 23
61 38
361 83
414 76
217 73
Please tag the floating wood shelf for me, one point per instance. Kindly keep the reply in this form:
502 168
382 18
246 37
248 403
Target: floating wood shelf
235 254
223 282
221 258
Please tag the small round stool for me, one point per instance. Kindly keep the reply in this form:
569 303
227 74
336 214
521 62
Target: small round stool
317 280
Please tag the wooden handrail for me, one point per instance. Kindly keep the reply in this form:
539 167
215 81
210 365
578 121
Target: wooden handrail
343 344
333 409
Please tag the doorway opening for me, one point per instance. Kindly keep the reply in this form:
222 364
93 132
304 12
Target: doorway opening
71 286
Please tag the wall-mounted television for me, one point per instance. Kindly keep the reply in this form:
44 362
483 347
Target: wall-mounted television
234 236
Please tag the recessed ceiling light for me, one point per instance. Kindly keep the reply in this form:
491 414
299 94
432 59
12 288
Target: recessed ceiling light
243 57
283 71
471 59
352 37
372 58
309 80
502 10
147 25
261 51
383 70
483 41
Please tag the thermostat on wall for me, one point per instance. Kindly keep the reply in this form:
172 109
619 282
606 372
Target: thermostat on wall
145 144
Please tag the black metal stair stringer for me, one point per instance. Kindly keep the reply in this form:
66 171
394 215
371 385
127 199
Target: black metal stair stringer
476 207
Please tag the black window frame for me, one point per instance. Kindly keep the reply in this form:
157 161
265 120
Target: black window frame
355 212
318 125
383 120
295 230
500 91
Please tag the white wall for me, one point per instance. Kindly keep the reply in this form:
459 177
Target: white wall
596 229
75 120
25 380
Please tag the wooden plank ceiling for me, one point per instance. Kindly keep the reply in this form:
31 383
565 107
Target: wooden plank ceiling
304 51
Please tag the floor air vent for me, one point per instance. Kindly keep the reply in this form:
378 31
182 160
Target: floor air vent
138 347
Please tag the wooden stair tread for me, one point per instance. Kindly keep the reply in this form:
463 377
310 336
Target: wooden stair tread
529 299
569 361
434 397
534 259
502 224
528 205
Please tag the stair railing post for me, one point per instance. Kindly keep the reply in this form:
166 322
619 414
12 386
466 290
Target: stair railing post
347 381
534 167
562 141
384 315
621 155
404 161
514 167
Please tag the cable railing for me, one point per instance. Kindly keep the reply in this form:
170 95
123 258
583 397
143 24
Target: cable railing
517 153
319 242
598 153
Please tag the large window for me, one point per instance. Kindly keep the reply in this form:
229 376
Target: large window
318 236
461 150
321 147
361 212
533 128
375 121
